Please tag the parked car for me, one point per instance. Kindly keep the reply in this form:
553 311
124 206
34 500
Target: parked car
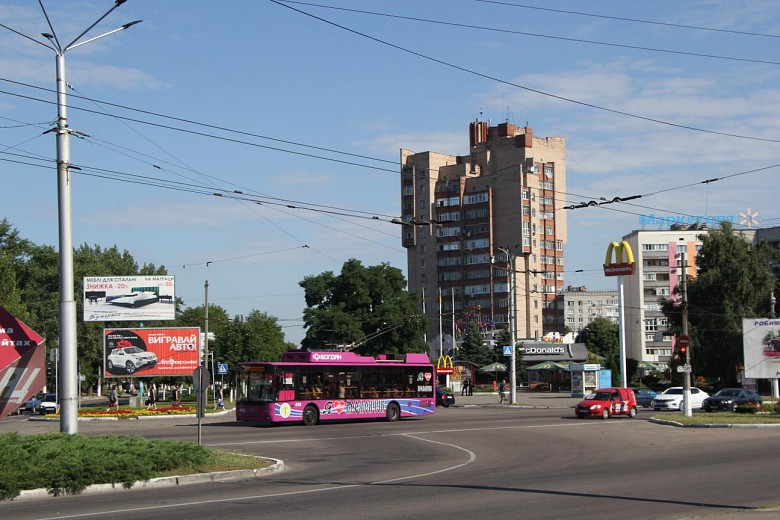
444 397
644 396
672 398
32 404
729 398
49 404
129 359
606 402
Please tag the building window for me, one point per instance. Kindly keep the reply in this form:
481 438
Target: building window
408 190
476 198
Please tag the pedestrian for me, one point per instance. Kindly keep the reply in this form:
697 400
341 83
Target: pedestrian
175 396
113 399
151 403
471 388
464 388
219 398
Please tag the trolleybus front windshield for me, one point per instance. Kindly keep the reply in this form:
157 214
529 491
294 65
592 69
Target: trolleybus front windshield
256 383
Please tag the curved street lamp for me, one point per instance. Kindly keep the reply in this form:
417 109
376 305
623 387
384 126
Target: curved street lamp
67 305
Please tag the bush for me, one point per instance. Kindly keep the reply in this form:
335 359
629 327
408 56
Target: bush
750 408
67 464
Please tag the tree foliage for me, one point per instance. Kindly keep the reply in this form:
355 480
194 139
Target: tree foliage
733 281
602 337
364 306
30 288
474 349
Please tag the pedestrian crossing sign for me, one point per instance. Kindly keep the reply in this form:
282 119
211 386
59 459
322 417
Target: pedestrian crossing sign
508 350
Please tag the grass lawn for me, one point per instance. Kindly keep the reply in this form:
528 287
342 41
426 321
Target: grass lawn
724 418
67 464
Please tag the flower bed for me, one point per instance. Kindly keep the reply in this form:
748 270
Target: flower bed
133 413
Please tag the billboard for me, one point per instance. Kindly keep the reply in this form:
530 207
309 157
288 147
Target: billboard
129 298
22 362
151 352
761 347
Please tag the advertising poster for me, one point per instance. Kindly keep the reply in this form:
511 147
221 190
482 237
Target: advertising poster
22 362
151 352
129 298
761 347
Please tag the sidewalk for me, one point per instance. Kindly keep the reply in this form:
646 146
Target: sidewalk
525 398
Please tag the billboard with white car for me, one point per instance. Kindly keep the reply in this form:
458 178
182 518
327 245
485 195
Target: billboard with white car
151 352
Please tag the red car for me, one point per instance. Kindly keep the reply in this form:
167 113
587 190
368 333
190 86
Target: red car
606 402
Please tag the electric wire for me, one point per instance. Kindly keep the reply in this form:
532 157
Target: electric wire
536 35
523 87
635 20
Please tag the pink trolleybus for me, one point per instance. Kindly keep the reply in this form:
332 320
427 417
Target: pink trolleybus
310 387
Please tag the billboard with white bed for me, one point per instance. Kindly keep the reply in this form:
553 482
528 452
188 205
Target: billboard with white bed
129 298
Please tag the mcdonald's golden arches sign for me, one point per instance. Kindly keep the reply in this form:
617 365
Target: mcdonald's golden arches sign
444 365
624 259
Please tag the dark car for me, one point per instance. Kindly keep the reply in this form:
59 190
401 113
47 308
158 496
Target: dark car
644 396
444 397
729 398
33 403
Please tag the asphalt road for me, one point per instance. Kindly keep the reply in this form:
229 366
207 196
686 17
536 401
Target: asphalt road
474 461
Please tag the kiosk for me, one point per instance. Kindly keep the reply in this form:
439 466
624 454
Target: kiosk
585 378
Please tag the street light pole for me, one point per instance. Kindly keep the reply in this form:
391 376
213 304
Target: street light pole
68 394
687 410
510 287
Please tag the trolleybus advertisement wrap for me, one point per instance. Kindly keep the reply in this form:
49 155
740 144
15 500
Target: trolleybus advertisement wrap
151 352
129 298
761 345
310 387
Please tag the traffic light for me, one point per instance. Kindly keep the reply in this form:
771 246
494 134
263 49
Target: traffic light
683 351
49 369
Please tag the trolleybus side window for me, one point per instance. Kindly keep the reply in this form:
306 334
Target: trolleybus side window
312 384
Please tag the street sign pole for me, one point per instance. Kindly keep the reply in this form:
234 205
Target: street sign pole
201 378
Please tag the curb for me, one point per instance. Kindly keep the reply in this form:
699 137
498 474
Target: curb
668 422
161 482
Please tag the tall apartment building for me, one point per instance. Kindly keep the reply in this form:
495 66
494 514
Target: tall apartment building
581 306
657 273
463 214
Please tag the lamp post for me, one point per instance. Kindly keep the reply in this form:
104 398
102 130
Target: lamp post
67 304
510 278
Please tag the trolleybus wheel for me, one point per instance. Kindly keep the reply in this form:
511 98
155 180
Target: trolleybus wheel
311 415
393 412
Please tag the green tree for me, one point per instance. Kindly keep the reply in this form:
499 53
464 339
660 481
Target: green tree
601 336
11 254
364 306
473 347
733 281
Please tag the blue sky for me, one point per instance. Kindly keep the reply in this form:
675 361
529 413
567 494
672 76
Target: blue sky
238 82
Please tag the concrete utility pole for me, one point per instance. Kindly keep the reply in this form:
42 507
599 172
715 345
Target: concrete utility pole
68 394
687 411
510 287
